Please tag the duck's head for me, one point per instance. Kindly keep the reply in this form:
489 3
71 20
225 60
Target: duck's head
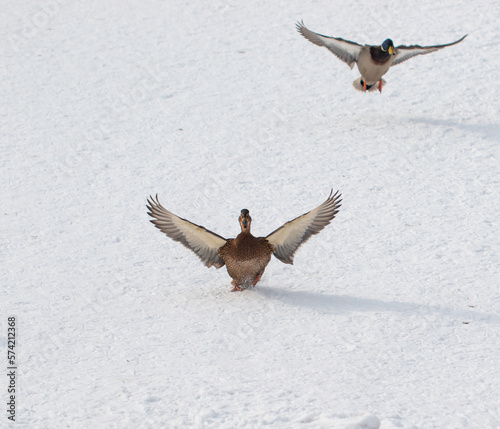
388 46
245 220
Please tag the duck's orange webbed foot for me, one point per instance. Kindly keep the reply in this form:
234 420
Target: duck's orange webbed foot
380 84
257 279
236 288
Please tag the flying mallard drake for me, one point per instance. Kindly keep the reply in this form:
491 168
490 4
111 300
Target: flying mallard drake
373 61
246 257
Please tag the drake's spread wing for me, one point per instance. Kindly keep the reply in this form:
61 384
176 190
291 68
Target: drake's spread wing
287 239
406 52
200 240
345 50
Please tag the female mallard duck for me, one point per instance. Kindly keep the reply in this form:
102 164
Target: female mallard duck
373 61
245 256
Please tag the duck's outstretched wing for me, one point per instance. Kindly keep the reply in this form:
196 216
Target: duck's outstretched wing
287 238
200 240
345 50
404 53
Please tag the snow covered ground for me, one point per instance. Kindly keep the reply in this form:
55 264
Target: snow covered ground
389 318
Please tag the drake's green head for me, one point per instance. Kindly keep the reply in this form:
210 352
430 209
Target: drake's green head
388 46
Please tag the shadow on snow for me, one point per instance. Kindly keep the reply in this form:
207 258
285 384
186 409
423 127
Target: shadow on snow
331 304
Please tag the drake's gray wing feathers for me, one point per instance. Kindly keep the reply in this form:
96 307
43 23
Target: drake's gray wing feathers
345 50
197 238
406 52
288 238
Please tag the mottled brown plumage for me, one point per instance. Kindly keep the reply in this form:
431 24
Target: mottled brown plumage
246 257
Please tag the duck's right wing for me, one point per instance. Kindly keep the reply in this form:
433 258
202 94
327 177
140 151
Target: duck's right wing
204 243
404 53
288 238
345 50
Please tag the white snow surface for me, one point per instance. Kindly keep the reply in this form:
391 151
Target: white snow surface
389 318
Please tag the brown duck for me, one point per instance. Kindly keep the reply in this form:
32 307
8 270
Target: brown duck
246 257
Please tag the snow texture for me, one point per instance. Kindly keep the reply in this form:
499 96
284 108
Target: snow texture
389 318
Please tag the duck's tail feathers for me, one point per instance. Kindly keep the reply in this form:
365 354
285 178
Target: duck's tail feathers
358 85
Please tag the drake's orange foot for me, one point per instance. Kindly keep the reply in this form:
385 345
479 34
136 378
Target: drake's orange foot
364 87
380 84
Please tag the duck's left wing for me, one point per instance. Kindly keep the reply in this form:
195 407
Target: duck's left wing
345 50
287 239
404 53
204 243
